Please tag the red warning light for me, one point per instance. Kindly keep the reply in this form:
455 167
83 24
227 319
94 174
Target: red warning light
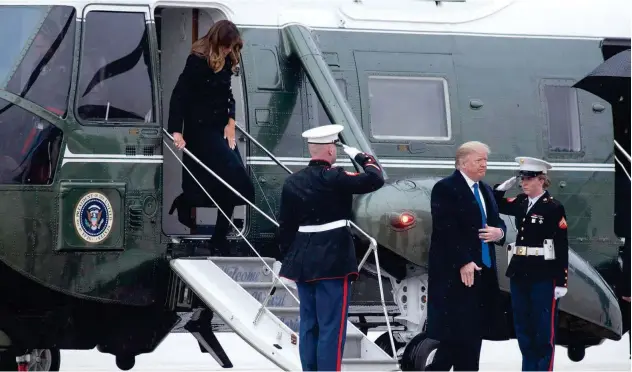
403 220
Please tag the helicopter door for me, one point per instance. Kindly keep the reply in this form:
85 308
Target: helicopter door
177 29
621 130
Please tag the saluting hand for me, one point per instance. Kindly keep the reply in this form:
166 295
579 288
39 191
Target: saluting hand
507 184
490 233
467 273
351 151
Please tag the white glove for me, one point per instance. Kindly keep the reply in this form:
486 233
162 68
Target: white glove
276 267
351 151
560 292
507 184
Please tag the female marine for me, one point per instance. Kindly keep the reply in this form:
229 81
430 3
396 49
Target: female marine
538 266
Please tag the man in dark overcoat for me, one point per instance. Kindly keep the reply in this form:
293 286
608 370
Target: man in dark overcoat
316 240
463 292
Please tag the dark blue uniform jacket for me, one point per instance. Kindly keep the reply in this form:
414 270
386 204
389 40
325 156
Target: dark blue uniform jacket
545 220
316 195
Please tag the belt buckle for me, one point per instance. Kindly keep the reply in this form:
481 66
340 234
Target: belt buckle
536 252
522 251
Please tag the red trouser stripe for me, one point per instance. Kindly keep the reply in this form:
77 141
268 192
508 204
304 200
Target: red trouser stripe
552 339
343 322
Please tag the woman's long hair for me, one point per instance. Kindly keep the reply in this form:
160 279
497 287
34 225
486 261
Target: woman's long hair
224 33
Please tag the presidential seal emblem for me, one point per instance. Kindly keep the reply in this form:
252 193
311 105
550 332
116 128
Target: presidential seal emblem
94 217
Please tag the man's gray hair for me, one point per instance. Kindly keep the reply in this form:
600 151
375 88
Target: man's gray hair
468 148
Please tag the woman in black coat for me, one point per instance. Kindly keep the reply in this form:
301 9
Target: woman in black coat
202 100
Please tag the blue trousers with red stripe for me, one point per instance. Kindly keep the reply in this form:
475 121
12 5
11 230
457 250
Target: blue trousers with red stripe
535 321
323 323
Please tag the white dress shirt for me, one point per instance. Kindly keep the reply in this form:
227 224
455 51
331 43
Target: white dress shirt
532 201
480 194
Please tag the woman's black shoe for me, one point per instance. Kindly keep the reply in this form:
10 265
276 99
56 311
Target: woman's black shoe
184 211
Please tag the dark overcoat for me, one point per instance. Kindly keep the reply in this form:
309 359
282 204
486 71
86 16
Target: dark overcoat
456 312
203 101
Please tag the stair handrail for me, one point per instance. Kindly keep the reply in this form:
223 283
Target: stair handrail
372 241
206 168
221 210
625 153
260 146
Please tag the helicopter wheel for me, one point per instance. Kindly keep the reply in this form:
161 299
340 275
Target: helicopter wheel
576 353
45 360
384 342
419 353
125 362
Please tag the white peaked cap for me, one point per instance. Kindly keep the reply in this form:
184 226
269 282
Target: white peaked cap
324 134
533 165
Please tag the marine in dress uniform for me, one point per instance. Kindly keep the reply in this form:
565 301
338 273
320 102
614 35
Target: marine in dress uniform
316 241
538 266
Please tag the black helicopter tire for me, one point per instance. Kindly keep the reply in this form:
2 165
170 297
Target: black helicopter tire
41 360
125 362
384 342
54 355
417 353
576 353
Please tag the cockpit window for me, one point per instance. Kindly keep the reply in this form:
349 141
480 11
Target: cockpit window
115 77
29 147
37 53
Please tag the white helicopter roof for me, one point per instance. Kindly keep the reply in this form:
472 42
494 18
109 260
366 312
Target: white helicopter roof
513 18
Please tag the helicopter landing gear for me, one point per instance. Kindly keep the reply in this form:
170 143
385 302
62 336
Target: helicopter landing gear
384 342
23 362
576 352
35 360
125 362
45 360
419 353
411 297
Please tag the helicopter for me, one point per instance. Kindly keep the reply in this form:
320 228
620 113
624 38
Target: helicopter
87 179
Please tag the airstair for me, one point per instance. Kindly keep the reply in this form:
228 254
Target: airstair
245 292
250 299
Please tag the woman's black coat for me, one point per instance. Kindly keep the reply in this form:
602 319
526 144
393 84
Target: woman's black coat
201 104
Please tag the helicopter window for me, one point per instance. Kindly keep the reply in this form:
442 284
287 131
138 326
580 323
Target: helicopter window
115 78
36 61
29 147
419 106
562 115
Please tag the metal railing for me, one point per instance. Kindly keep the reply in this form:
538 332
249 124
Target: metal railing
627 156
277 279
622 150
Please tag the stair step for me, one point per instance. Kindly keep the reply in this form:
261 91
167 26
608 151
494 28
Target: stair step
246 269
369 364
360 354
353 343
280 298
